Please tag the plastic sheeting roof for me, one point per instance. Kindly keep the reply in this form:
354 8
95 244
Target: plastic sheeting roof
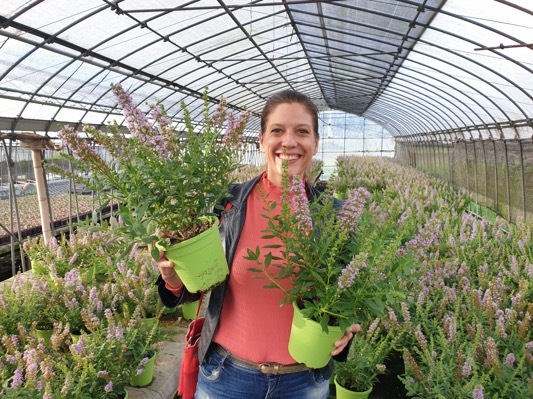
426 68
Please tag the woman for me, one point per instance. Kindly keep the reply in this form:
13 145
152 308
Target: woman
243 350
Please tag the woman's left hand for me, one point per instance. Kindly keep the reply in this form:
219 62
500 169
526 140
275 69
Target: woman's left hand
348 335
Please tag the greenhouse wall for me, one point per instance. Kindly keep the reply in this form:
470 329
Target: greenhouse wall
498 174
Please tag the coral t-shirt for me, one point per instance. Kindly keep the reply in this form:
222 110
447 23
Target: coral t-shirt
253 325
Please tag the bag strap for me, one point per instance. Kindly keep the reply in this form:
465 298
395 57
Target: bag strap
199 306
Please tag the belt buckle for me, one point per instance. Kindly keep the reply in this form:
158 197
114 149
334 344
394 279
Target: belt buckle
267 368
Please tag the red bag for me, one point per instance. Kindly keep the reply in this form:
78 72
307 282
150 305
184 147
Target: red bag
190 366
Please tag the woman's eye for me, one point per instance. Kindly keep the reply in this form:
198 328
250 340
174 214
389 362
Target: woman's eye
276 131
303 131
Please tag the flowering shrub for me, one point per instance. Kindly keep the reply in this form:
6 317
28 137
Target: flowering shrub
165 180
134 282
26 301
465 321
472 321
114 346
336 276
368 351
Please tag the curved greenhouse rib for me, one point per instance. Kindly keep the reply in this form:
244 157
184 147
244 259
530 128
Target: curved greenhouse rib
440 81
427 26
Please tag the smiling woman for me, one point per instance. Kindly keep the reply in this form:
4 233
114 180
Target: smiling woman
289 132
245 327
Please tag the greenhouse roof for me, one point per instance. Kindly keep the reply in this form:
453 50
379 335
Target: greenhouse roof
424 68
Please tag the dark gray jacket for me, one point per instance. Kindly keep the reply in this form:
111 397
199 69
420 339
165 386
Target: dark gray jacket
230 231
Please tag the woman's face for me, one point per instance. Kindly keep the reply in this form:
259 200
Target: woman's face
288 134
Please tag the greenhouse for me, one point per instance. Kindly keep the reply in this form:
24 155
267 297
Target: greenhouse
376 155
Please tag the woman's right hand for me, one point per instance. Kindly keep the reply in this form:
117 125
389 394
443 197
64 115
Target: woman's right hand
168 274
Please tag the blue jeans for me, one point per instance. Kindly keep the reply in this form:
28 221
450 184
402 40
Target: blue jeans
222 378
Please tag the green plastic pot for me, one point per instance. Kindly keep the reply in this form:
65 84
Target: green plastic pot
308 343
170 310
148 322
344 393
200 261
189 310
37 267
146 376
339 195
45 334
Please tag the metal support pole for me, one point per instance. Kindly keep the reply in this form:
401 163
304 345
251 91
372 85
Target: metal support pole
496 190
523 178
508 183
41 194
13 206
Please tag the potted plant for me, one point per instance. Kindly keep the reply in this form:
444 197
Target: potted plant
368 352
337 277
142 343
133 282
166 178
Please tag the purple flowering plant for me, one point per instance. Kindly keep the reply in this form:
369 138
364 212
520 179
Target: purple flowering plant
366 360
336 281
166 177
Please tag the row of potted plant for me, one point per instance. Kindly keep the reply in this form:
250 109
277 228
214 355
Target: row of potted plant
463 326
28 210
103 328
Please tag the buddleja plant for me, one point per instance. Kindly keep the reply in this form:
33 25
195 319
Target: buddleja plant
165 180
333 281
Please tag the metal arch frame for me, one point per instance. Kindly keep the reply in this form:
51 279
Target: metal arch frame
448 100
433 68
305 50
447 84
48 39
392 119
399 115
496 88
378 78
174 66
258 48
428 26
426 122
165 38
323 28
411 26
411 90
451 95
503 77
392 129
194 57
482 26
413 125
258 97
290 11
83 52
422 41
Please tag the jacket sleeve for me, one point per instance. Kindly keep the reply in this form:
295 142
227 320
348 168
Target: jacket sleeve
169 299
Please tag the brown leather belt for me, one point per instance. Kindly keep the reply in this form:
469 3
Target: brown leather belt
265 368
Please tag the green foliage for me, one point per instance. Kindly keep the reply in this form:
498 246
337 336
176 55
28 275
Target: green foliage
338 275
365 362
109 351
165 180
